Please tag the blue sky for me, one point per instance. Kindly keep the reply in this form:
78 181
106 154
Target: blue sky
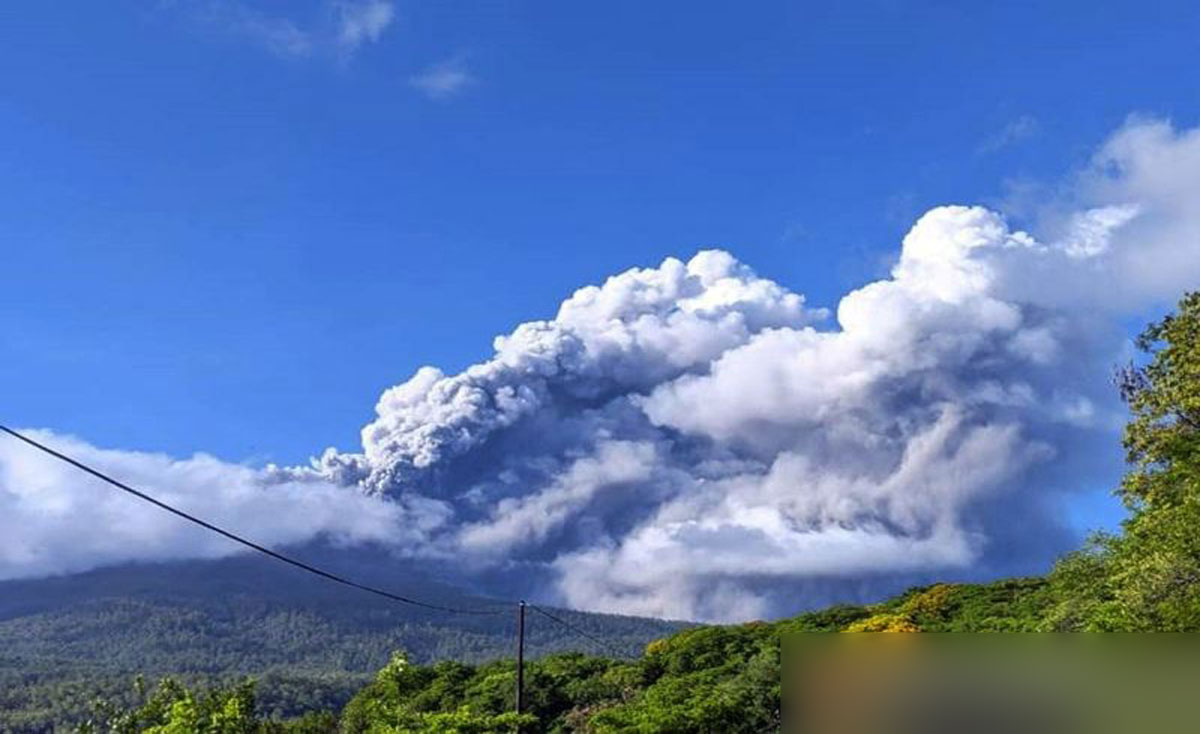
230 225
214 243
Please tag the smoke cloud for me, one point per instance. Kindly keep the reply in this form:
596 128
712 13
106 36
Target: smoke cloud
694 440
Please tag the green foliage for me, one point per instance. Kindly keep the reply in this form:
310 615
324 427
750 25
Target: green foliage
719 679
175 709
310 645
405 699
714 679
1010 605
1162 438
1148 577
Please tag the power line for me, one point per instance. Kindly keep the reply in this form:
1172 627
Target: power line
288 559
319 571
578 631
520 659
239 539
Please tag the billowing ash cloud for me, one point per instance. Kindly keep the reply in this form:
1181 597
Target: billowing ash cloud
567 380
693 440
686 435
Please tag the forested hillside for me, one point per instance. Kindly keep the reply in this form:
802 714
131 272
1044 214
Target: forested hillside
727 679
310 644
713 679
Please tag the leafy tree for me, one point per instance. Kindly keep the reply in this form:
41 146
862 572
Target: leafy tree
175 709
1162 439
1148 577
447 697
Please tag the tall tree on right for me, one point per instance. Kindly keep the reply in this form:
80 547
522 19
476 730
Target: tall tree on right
1148 577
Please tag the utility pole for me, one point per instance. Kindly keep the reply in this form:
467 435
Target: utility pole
521 659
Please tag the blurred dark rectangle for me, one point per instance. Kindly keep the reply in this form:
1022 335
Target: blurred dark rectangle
991 683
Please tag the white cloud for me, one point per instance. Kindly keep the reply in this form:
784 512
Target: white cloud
1149 172
443 80
1022 128
54 519
280 36
362 21
1127 222
344 26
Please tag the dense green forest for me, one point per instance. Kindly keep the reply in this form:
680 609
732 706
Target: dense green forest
310 645
703 679
727 678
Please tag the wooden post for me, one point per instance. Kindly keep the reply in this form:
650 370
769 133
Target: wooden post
520 659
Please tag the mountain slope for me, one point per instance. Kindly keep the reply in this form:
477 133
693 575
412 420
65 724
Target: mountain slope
703 679
64 640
